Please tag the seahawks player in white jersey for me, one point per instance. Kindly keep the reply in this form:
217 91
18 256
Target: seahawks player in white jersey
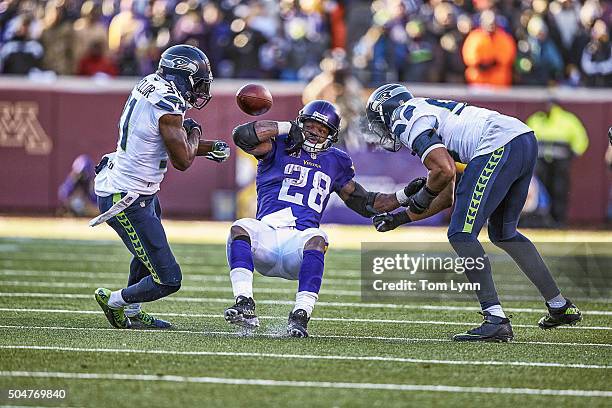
500 152
152 131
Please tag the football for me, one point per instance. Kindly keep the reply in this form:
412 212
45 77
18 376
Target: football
254 99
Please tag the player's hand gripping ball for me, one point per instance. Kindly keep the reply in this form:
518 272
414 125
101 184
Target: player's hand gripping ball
254 99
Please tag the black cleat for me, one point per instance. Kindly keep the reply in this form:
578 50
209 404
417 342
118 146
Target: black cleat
298 323
493 328
567 314
242 313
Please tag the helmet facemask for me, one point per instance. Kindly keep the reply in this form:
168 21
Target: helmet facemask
200 96
317 147
383 136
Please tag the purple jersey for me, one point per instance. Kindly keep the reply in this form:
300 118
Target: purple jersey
302 183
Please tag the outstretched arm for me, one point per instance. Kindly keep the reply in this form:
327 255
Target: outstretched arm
367 203
444 200
256 137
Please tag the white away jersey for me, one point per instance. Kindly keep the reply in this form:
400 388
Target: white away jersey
466 131
141 159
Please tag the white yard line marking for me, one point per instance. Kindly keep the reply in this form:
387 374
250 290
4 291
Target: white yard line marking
333 304
304 356
223 277
257 334
306 384
227 289
186 288
272 302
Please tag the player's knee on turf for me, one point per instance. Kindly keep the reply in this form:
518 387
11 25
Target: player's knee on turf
316 243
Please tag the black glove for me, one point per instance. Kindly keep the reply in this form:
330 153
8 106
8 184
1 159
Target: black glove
190 124
420 201
415 185
403 196
295 139
390 221
610 135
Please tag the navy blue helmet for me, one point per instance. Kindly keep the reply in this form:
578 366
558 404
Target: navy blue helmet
381 104
325 113
188 68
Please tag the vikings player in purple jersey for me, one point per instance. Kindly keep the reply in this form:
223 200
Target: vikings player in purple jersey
298 169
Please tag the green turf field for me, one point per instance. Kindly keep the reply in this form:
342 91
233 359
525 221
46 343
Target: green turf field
55 337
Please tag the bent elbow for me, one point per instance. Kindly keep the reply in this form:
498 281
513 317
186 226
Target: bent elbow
444 172
181 165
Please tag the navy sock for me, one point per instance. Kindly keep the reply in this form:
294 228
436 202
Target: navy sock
147 290
311 271
240 255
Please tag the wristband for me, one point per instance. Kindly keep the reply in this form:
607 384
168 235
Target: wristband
401 197
283 127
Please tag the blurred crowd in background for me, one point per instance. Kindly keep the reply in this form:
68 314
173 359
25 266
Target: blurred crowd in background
497 42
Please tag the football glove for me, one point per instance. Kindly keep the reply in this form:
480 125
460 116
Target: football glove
403 196
390 221
295 139
190 124
420 201
219 153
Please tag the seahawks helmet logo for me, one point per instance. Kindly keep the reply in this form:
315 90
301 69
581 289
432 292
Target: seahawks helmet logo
384 96
178 62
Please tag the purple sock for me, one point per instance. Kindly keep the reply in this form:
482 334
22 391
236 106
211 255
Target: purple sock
311 272
240 255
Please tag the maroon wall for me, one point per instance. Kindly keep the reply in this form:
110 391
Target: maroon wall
79 120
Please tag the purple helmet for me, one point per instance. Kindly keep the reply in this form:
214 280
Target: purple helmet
325 113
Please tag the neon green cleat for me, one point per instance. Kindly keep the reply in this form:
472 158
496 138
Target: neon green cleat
143 320
116 316
567 314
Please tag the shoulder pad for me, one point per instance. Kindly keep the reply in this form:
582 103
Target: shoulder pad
162 94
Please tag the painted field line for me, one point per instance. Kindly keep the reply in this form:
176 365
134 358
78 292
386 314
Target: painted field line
227 289
224 278
323 319
319 304
187 288
122 276
343 304
257 334
305 384
310 357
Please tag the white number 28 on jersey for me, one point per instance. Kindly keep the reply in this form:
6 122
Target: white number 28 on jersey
319 191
